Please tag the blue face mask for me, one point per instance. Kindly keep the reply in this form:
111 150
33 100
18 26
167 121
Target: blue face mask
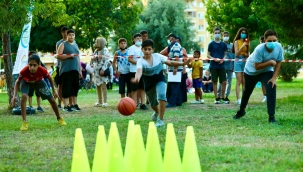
243 35
271 45
138 43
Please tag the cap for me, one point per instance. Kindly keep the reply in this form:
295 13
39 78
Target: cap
178 37
171 35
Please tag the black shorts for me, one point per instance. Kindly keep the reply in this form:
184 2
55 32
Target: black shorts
31 92
70 84
140 85
40 87
58 78
124 80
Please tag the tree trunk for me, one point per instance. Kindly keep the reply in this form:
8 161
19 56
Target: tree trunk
8 66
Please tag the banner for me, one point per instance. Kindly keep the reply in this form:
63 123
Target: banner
22 54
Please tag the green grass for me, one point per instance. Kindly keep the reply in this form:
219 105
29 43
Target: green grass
224 144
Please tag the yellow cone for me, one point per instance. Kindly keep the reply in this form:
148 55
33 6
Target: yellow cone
190 161
100 163
80 160
154 160
116 161
172 160
129 143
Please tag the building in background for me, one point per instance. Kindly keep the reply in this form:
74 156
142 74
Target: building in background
195 11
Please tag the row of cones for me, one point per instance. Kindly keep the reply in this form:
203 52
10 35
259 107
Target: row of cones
109 155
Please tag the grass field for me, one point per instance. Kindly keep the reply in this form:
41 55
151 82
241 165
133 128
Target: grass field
224 144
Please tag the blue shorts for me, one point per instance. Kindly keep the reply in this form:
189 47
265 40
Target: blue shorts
40 87
239 64
158 92
196 83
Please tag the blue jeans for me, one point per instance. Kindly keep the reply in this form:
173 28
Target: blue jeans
175 97
229 75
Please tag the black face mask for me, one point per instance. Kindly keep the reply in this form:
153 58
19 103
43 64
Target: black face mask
123 48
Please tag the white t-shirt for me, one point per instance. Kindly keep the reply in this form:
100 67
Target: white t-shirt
261 55
137 54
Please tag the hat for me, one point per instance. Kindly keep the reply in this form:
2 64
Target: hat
178 37
171 35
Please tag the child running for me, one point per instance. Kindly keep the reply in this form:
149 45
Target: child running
150 67
32 76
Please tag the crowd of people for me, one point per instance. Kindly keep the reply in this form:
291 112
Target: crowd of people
141 72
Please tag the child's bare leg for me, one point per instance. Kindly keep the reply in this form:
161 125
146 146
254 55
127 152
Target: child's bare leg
23 106
162 109
39 101
54 105
199 94
30 101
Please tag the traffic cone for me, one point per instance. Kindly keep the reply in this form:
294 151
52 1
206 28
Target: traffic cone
172 160
154 160
80 160
116 161
100 163
190 161
138 158
129 143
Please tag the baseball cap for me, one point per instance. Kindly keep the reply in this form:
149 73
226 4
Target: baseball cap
171 35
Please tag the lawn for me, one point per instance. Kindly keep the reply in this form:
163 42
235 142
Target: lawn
224 144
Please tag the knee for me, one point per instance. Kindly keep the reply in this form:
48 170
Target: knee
24 97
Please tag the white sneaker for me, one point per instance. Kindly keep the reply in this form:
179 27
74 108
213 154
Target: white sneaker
159 123
264 99
238 102
154 116
104 104
195 102
202 101
98 104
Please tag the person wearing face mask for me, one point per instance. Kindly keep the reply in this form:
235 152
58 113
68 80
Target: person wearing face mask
241 50
263 65
100 61
134 54
229 66
217 53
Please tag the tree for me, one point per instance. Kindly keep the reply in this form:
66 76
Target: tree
14 16
231 15
162 17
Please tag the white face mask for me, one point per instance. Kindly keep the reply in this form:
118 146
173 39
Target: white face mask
217 36
225 38
168 42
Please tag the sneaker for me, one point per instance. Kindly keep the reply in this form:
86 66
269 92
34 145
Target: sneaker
264 99
147 102
98 104
67 109
104 104
226 100
24 126
238 102
40 109
154 116
61 121
217 101
59 107
272 119
222 101
143 107
202 101
159 123
195 102
76 108
138 104
239 114
170 106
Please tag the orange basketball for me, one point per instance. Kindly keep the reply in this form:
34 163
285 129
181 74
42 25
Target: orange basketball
126 106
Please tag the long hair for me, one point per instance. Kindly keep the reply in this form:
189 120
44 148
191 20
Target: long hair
101 42
238 36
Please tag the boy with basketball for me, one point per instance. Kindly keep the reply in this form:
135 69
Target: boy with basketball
32 76
150 69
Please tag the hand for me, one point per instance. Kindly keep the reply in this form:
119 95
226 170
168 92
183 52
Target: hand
187 61
72 55
273 63
273 81
217 60
200 80
118 73
245 43
56 95
221 61
13 101
135 80
175 71
80 75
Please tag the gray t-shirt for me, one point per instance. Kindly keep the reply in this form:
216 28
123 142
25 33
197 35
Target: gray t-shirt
58 44
70 63
261 55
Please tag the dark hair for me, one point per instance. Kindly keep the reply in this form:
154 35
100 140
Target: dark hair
31 53
262 38
121 40
197 51
225 32
270 33
64 28
70 31
143 32
148 42
136 35
34 57
216 28
237 37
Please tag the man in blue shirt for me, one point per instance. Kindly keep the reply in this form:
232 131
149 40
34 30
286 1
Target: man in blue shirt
263 65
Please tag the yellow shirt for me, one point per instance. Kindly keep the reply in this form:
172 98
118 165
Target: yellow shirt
196 65
244 49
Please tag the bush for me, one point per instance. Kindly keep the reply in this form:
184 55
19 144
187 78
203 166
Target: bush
289 70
